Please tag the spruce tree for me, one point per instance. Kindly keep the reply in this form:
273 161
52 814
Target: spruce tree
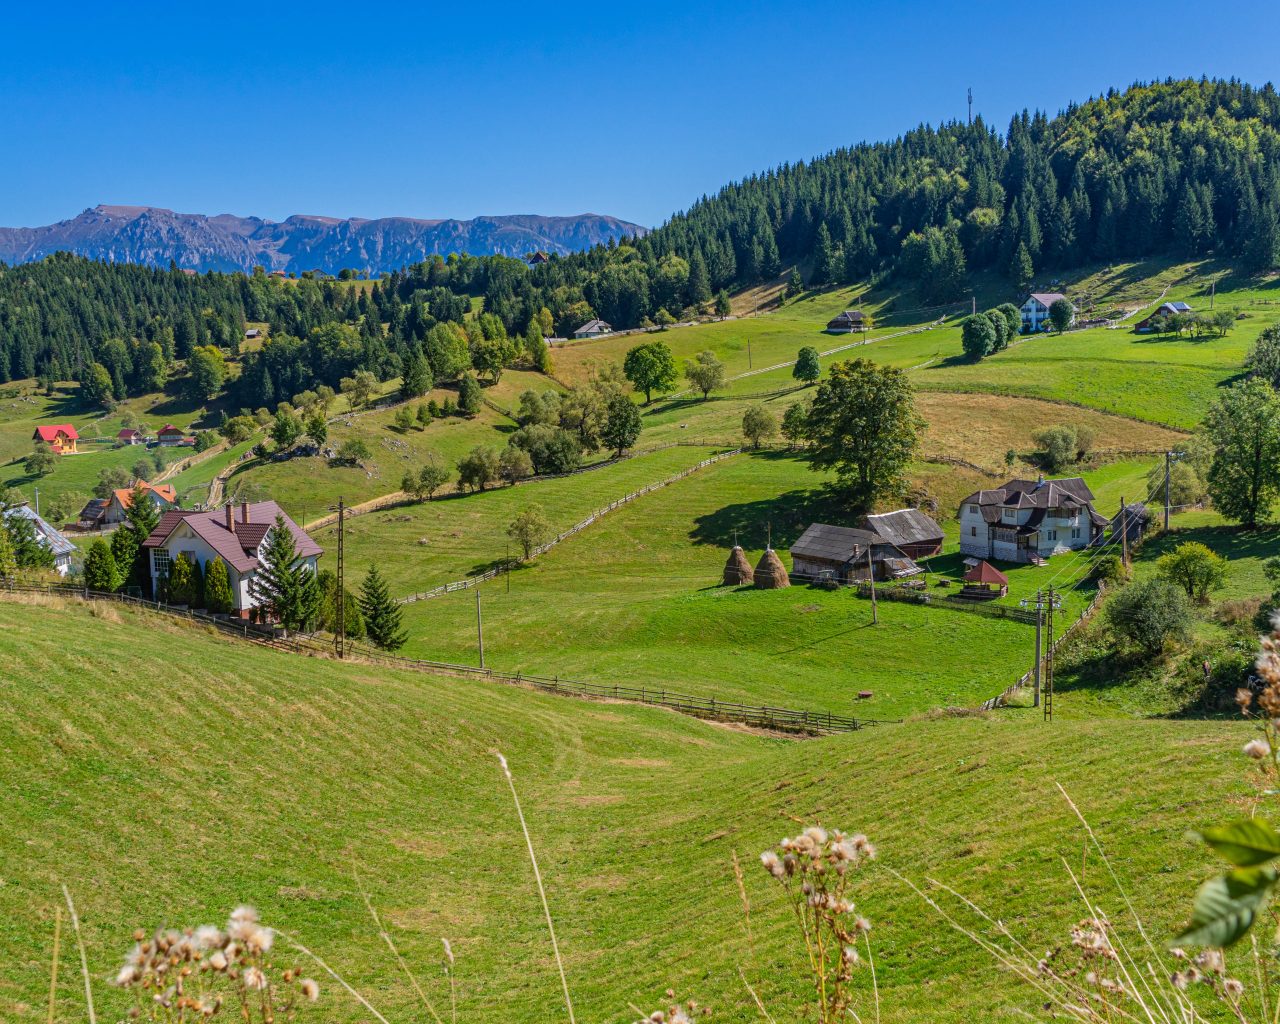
283 583
381 614
1020 269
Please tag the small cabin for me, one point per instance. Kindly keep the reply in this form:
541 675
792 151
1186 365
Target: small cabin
130 435
845 555
847 322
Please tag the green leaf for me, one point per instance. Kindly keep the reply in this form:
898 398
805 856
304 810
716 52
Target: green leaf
1244 843
1226 906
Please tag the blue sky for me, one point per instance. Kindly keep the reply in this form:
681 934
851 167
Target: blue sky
454 110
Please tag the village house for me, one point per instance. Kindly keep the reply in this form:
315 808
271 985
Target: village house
237 537
915 534
253 332
593 329
847 322
91 515
1035 311
60 437
1166 310
840 553
163 496
536 259
1029 520
46 536
130 435
170 436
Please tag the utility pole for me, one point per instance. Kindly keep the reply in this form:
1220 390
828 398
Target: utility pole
971 104
508 574
748 353
1048 662
1168 458
479 625
974 300
37 501
1035 701
340 599
1213 291
871 580
1124 530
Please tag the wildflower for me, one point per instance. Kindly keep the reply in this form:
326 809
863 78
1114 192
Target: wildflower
310 989
1257 749
861 925
244 921
1233 989
254 979
217 960
1211 960
129 974
773 864
1244 698
816 834
850 955
208 937
259 939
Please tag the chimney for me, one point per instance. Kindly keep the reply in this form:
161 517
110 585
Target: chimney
244 512
231 518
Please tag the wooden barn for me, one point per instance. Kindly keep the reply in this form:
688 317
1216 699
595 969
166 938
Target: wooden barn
915 534
841 553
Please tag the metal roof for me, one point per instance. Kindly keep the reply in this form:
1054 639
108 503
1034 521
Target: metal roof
832 543
45 533
905 526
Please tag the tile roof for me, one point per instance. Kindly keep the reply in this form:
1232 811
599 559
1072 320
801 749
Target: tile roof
1046 299
124 495
169 428
237 548
51 432
128 432
1065 493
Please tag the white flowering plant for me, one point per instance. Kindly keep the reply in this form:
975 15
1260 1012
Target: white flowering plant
195 974
815 869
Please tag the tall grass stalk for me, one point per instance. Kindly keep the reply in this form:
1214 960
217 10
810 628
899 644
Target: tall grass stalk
53 972
84 958
542 892
333 974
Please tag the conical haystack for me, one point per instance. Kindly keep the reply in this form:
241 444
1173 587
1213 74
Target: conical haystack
770 573
737 570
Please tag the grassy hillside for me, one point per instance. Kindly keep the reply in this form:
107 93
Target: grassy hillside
258 776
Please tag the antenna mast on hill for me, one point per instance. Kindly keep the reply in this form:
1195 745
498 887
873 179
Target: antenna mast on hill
971 104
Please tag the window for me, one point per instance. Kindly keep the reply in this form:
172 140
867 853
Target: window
1010 514
973 531
1075 534
1050 534
973 508
160 560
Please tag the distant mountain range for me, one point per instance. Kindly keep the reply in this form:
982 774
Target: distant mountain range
155 236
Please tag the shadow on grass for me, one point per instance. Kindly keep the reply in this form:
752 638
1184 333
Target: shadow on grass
788 515
1231 542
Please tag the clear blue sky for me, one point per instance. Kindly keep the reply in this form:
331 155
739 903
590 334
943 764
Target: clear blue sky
459 109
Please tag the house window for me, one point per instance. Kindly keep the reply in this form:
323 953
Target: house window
973 508
1010 514
1075 534
160 559
1051 535
973 531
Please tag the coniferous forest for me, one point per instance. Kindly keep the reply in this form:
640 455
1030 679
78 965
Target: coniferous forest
1184 168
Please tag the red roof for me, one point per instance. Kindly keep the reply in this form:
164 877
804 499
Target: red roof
129 432
124 495
169 428
237 548
51 433
984 573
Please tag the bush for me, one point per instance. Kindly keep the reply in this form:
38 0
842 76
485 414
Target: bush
978 336
1110 569
1058 447
1150 615
1194 568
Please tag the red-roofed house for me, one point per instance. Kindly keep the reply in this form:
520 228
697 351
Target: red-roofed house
170 436
130 435
60 437
163 496
237 537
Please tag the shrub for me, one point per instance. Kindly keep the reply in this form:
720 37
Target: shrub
1194 568
1150 615
1110 569
1057 447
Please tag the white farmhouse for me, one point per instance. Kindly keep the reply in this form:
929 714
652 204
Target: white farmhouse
1035 311
46 536
1029 520
220 533
593 329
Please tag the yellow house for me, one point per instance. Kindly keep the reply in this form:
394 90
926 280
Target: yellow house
61 437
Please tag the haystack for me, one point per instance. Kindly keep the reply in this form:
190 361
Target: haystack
737 570
770 573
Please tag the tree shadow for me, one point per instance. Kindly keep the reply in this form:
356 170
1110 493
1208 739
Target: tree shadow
1231 542
788 515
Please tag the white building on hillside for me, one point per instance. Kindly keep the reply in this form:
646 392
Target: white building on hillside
1035 311
1029 520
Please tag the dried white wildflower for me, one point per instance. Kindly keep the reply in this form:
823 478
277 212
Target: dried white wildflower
1257 749
129 974
448 951
1233 988
254 979
310 989
208 937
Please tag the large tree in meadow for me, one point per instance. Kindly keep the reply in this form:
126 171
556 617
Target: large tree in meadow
650 368
864 426
1243 426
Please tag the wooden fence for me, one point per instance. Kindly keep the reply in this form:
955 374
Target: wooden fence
1002 698
472 581
758 715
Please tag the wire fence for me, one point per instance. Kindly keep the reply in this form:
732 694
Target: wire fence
473 581
758 715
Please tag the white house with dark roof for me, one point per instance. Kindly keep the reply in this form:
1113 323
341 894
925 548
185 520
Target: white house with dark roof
593 329
237 536
46 536
1029 520
1035 310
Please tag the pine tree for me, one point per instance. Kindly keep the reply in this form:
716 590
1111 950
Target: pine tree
217 588
100 567
180 588
381 614
1020 269
8 563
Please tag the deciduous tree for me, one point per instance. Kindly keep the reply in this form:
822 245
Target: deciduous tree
650 368
1243 426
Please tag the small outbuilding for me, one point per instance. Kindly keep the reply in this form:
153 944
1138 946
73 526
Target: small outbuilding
984 582
737 570
915 534
846 554
847 322
770 573
131 435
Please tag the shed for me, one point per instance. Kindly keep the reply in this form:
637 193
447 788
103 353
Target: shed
984 582
910 530
841 552
847 322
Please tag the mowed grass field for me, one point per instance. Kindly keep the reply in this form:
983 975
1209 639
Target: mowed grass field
636 600
274 777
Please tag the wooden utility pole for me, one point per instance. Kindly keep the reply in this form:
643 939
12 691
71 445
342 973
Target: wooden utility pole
340 598
479 626
1168 457
1048 663
1035 693
1124 530
508 567
748 353
871 581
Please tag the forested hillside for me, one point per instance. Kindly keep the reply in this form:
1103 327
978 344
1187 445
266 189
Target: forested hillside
1182 168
